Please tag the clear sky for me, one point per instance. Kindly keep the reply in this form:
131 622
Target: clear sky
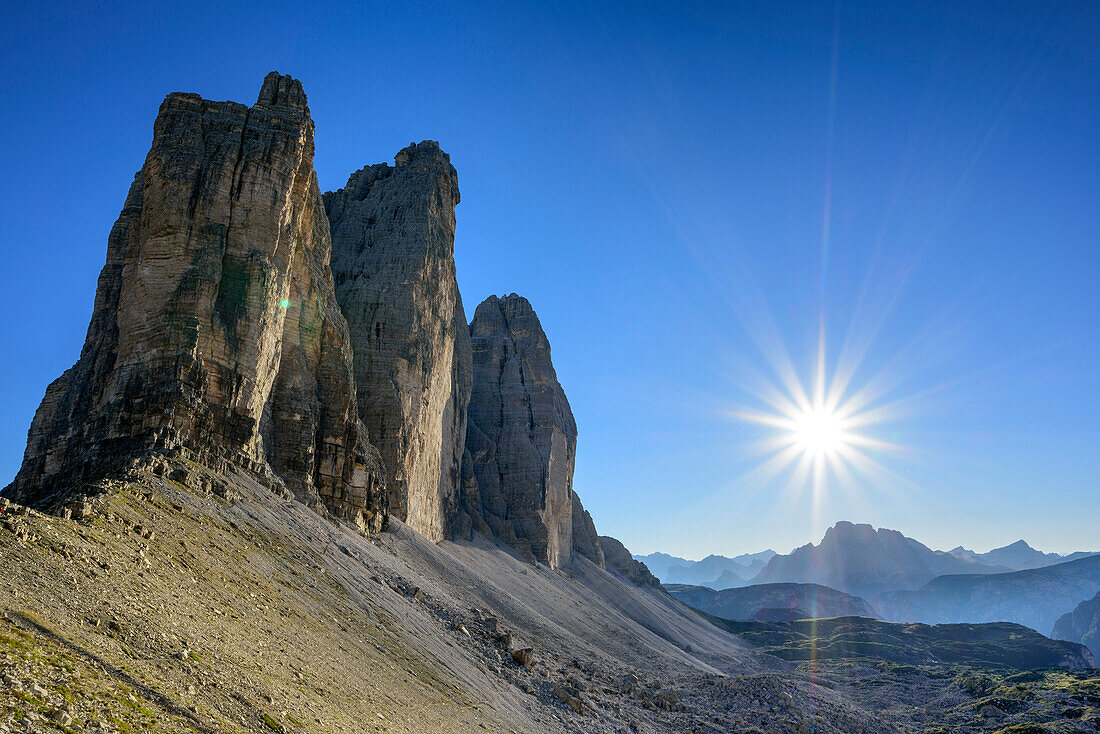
685 192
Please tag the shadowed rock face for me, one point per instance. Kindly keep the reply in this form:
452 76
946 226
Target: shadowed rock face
215 326
521 436
393 232
1081 625
586 540
621 562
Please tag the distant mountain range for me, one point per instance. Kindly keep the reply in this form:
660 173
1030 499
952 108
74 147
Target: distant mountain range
1035 597
716 572
854 558
863 561
898 579
1018 556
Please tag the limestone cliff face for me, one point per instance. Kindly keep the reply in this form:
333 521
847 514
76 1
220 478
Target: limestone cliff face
215 327
393 234
521 436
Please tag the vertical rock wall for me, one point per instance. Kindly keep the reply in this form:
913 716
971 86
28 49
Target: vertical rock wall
521 436
393 261
215 317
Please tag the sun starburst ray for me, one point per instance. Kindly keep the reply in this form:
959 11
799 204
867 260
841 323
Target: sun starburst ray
823 432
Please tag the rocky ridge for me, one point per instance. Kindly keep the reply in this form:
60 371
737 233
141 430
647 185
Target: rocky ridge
320 343
1081 625
1035 597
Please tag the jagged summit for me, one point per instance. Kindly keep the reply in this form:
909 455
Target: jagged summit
215 328
522 437
425 156
280 90
393 232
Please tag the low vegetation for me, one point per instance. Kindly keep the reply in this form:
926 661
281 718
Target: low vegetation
998 644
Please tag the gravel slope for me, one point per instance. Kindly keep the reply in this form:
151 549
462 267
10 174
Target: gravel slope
173 609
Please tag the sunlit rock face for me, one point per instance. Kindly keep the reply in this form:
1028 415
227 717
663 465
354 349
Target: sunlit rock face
393 231
521 436
215 326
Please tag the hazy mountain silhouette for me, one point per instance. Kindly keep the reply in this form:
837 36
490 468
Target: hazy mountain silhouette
717 572
762 601
863 561
1034 597
1018 556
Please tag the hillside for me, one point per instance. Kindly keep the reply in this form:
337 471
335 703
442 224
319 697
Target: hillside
1035 597
240 609
863 561
747 602
998 645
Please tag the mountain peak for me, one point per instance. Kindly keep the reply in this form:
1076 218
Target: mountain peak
282 90
862 560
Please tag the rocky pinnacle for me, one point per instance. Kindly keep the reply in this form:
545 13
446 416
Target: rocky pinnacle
393 231
215 327
243 321
521 436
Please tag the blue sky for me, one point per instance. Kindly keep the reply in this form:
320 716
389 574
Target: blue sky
677 191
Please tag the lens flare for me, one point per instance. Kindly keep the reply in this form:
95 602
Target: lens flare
819 431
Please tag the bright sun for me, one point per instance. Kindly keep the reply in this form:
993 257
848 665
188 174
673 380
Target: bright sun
819 432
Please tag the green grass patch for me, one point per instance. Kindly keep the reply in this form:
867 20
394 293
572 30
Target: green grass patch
119 724
135 705
28 698
1023 729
